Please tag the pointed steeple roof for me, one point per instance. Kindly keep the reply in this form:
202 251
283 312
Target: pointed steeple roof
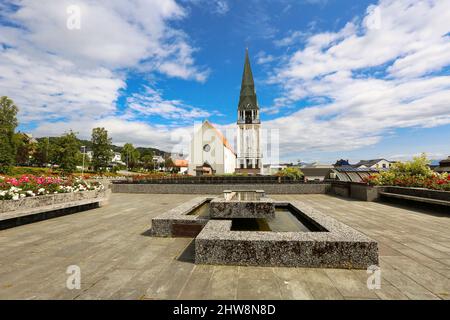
247 100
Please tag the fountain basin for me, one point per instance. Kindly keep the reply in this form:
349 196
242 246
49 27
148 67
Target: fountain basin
242 204
333 245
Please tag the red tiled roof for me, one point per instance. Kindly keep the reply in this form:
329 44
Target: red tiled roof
180 163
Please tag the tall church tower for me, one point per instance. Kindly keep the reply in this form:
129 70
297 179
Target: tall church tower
249 126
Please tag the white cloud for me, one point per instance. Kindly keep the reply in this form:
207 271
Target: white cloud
293 38
220 7
367 82
123 130
151 102
263 58
58 74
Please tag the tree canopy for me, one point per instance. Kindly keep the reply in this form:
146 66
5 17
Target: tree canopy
8 124
101 149
66 152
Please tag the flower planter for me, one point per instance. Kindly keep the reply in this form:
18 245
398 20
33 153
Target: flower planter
417 194
56 203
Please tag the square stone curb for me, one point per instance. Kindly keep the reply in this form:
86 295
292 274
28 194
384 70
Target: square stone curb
336 246
162 224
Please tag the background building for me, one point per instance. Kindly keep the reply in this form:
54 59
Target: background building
181 165
374 164
444 166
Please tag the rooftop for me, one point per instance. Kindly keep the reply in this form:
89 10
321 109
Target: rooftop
368 163
119 260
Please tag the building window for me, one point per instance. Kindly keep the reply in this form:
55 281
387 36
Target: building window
206 148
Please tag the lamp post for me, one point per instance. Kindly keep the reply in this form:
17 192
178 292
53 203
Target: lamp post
82 168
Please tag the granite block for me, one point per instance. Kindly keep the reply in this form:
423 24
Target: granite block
162 225
337 246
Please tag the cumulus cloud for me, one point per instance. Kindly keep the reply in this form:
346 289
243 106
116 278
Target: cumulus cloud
123 129
263 58
292 38
378 73
152 102
219 7
60 74
367 79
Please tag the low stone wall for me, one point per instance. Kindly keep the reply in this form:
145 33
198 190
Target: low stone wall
340 189
419 192
364 192
297 188
354 190
26 210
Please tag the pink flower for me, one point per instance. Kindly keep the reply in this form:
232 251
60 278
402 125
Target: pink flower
13 181
24 179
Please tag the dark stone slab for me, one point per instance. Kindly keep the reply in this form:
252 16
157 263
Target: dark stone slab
189 230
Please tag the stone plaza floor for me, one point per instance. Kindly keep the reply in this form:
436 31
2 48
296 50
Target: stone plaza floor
119 260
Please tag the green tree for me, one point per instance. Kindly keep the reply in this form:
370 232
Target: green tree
67 152
168 164
41 155
130 155
147 161
8 124
101 149
24 148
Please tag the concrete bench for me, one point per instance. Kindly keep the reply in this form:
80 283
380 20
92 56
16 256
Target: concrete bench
414 198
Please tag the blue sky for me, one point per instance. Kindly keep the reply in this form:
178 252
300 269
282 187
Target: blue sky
337 78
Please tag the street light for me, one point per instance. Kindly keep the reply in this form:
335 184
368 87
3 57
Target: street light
82 168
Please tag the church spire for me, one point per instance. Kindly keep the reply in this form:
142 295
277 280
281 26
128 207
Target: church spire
247 100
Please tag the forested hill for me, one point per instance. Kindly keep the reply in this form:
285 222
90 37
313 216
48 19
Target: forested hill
115 148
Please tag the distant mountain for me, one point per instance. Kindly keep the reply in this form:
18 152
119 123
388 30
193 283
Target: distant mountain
115 148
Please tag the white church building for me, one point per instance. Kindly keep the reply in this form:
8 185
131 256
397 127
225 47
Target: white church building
210 151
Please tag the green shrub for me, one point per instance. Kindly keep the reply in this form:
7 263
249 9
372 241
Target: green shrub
415 173
291 172
19 171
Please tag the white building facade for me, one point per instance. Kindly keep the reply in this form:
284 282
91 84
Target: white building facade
210 152
374 164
